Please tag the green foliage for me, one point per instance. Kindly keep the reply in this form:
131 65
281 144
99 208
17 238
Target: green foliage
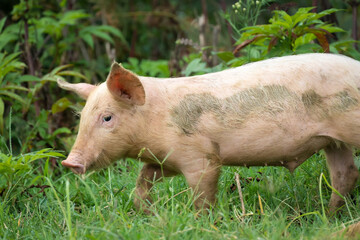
60 105
60 31
9 64
17 173
13 167
290 34
196 65
42 41
245 13
302 32
47 38
40 136
100 206
102 31
151 68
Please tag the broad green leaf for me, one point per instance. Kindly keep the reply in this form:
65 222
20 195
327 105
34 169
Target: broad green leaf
111 29
43 154
61 131
5 38
20 167
288 19
236 62
88 38
2 23
305 39
103 35
343 43
71 17
195 66
28 78
73 73
134 62
36 179
50 78
46 168
328 11
4 158
87 29
13 96
301 18
331 29
44 150
249 41
285 24
60 105
302 11
60 68
6 168
114 31
14 87
49 25
225 56
9 59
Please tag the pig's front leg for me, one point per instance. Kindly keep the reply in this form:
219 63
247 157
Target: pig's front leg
202 177
150 173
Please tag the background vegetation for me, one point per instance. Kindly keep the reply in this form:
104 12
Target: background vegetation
41 41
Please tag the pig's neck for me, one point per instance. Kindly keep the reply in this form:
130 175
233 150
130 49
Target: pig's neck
148 130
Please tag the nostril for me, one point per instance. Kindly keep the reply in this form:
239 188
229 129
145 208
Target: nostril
75 167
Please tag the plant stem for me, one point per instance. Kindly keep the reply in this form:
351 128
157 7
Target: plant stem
354 4
314 4
27 49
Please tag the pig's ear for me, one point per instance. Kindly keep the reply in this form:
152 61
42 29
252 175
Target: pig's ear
125 85
81 89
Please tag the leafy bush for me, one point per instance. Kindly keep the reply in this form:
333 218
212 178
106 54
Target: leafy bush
35 44
151 68
17 172
286 34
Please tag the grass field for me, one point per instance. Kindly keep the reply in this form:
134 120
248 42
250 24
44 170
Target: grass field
99 205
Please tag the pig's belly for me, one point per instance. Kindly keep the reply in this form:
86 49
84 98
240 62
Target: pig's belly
268 144
281 153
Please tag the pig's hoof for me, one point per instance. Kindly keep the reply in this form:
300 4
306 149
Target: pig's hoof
144 209
335 211
143 205
147 211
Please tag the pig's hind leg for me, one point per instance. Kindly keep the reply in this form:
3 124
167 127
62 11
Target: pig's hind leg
150 173
343 172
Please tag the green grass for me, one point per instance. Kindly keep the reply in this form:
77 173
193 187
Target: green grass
100 206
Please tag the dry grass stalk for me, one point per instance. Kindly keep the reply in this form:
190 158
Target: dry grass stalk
240 193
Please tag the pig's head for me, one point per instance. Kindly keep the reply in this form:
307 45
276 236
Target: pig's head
106 121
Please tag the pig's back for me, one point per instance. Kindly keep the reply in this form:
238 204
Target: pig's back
298 73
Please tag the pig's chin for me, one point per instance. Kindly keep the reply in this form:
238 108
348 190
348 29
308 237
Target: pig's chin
77 170
79 165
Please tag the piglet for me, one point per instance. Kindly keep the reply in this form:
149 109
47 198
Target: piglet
276 112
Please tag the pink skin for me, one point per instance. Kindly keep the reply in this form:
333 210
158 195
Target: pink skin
75 167
142 116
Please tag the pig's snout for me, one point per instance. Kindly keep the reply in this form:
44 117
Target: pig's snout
75 167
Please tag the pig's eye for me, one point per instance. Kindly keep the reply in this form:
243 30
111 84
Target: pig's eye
106 118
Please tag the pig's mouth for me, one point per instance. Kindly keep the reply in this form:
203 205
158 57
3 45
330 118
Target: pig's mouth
75 167
73 162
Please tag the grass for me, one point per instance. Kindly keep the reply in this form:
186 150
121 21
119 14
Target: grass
100 206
